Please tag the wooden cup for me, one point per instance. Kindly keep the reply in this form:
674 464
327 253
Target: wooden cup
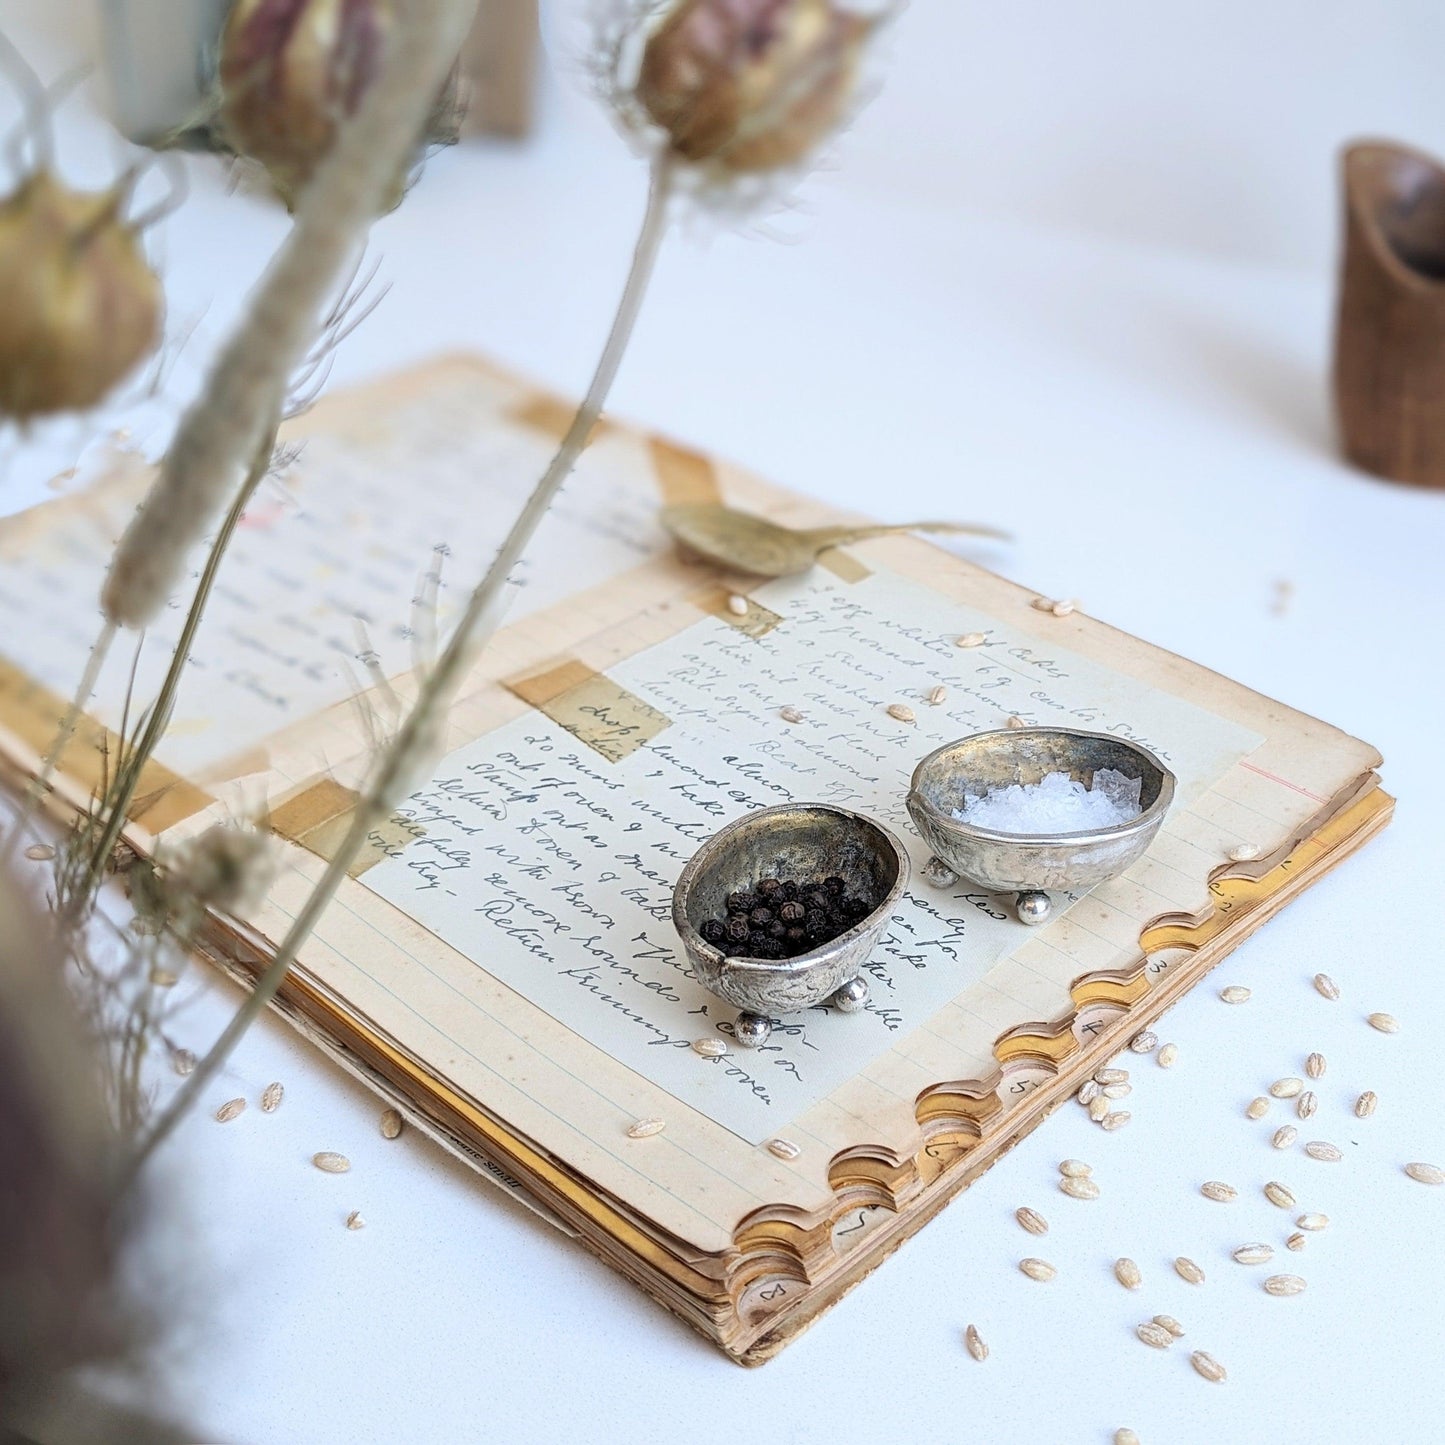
1389 362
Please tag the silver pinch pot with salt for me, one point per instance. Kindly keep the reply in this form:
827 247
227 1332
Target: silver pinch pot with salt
1032 864
802 841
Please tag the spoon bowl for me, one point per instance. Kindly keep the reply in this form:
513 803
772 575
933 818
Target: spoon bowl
748 543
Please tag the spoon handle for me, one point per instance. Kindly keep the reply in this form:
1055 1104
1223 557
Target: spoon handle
841 536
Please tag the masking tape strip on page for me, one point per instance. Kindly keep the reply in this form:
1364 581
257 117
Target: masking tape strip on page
319 817
757 621
684 477
593 708
552 416
34 714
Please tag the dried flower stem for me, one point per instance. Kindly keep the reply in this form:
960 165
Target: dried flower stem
393 768
224 425
118 804
235 418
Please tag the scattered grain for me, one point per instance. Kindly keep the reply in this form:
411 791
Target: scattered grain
1284 1136
1088 1091
1014 722
646 1128
1117 1091
1098 1108
1170 1324
1039 1269
1278 1195
1125 1436
1079 1188
1324 1151
1031 1220
1064 608
973 1342
271 1098
790 715
1283 1285
1315 1066
1296 1241
1208 1366
1127 1273
1366 1104
1111 1076
1235 993
1144 1043
1188 1271
1218 1191
1386 1023
390 1123
971 639
1307 1104
1168 1056
937 695
354 1220
1257 1108
1426 1173
1313 1222
902 712
1155 1336
1286 1088
1116 1119
711 1047
40 852
231 1109
331 1163
737 605
1253 1254
1326 986
1075 1169
1243 852
783 1149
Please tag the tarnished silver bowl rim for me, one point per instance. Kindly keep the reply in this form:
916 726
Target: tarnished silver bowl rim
798 962
1147 818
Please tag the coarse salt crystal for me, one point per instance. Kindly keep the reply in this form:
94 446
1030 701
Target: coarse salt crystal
1057 803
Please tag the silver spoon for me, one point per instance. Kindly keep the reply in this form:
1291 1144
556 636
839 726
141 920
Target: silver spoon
749 543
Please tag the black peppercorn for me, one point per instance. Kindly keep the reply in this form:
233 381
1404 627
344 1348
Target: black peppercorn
783 917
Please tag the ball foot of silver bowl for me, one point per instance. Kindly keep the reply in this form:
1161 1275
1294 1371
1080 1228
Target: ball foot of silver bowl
851 997
937 874
752 1030
1034 907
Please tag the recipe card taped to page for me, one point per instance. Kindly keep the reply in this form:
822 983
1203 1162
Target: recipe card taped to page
547 850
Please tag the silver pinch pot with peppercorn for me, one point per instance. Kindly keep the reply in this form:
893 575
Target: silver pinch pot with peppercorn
1032 864
780 910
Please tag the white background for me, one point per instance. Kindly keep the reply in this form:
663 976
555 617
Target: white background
1072 275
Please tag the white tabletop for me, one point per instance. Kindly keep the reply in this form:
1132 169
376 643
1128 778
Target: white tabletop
1151 421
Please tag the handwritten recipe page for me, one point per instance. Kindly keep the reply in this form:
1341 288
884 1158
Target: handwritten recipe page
326 573
547 850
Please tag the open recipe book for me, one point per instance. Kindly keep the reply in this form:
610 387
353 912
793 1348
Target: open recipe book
501 964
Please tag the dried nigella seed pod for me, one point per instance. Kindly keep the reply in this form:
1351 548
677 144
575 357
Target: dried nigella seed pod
79 306
292 72
750 85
